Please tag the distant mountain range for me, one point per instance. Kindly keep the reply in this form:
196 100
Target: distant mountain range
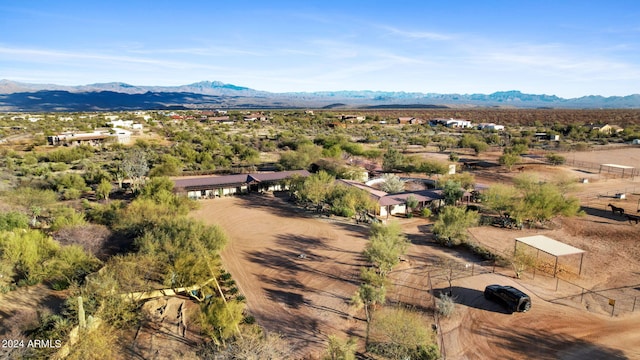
17 96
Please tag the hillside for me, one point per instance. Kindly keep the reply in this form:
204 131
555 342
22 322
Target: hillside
16 96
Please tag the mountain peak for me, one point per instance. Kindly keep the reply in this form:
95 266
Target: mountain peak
216 85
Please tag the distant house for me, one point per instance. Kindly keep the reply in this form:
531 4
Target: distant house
72 139
129 124
409 120
255 117
543 136
352 118
604 128
220 119
218 186
122 136
94 138
451 123
490 127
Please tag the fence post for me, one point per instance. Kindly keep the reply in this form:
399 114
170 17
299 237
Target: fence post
633 308
473 265
557 280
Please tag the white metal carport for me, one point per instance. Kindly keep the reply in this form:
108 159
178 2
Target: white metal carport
551 247
616 166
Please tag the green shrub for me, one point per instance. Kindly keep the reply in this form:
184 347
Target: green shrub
13 220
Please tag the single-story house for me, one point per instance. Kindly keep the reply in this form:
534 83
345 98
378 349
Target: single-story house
409 120
451 123
393 204
490 127
71 139
218 186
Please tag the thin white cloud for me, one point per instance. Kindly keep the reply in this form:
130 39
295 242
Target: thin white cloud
67 57
417 34
199 51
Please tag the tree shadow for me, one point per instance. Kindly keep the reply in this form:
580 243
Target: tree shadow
283 260
278 205
607 214
290 283
543 344
290 299
472 298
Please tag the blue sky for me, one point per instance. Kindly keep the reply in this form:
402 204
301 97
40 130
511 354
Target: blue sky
565 48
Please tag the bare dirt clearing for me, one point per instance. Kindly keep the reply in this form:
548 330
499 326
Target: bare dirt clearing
297 272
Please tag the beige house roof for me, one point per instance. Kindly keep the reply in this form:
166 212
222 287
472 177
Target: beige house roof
549 245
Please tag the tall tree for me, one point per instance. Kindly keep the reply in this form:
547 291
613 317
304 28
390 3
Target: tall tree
135 167
316 188
392 159
370 293
387 244
452 192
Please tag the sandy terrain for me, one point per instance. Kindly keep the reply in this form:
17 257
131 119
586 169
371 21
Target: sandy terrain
296 271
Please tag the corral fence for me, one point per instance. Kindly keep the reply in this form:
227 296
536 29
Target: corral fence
614 301
565 288
601 197
608 171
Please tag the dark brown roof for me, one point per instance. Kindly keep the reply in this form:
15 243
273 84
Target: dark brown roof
238 179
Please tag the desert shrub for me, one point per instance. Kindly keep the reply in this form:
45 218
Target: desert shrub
13 220
66 217
426 212
556 159
445 305
100 343
338 349
400 334
91 237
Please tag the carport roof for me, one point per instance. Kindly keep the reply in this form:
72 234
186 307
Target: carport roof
618 166
550 246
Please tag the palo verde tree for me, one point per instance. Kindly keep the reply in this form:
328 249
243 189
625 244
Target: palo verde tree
372 292
387 244
452 192
509 159
350 201
452 224
316 188
541 201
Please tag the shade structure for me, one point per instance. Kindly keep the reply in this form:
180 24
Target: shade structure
551 247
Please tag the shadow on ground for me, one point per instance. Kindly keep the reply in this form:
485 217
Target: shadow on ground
471 298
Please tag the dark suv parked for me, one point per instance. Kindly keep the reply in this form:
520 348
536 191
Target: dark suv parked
512 298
